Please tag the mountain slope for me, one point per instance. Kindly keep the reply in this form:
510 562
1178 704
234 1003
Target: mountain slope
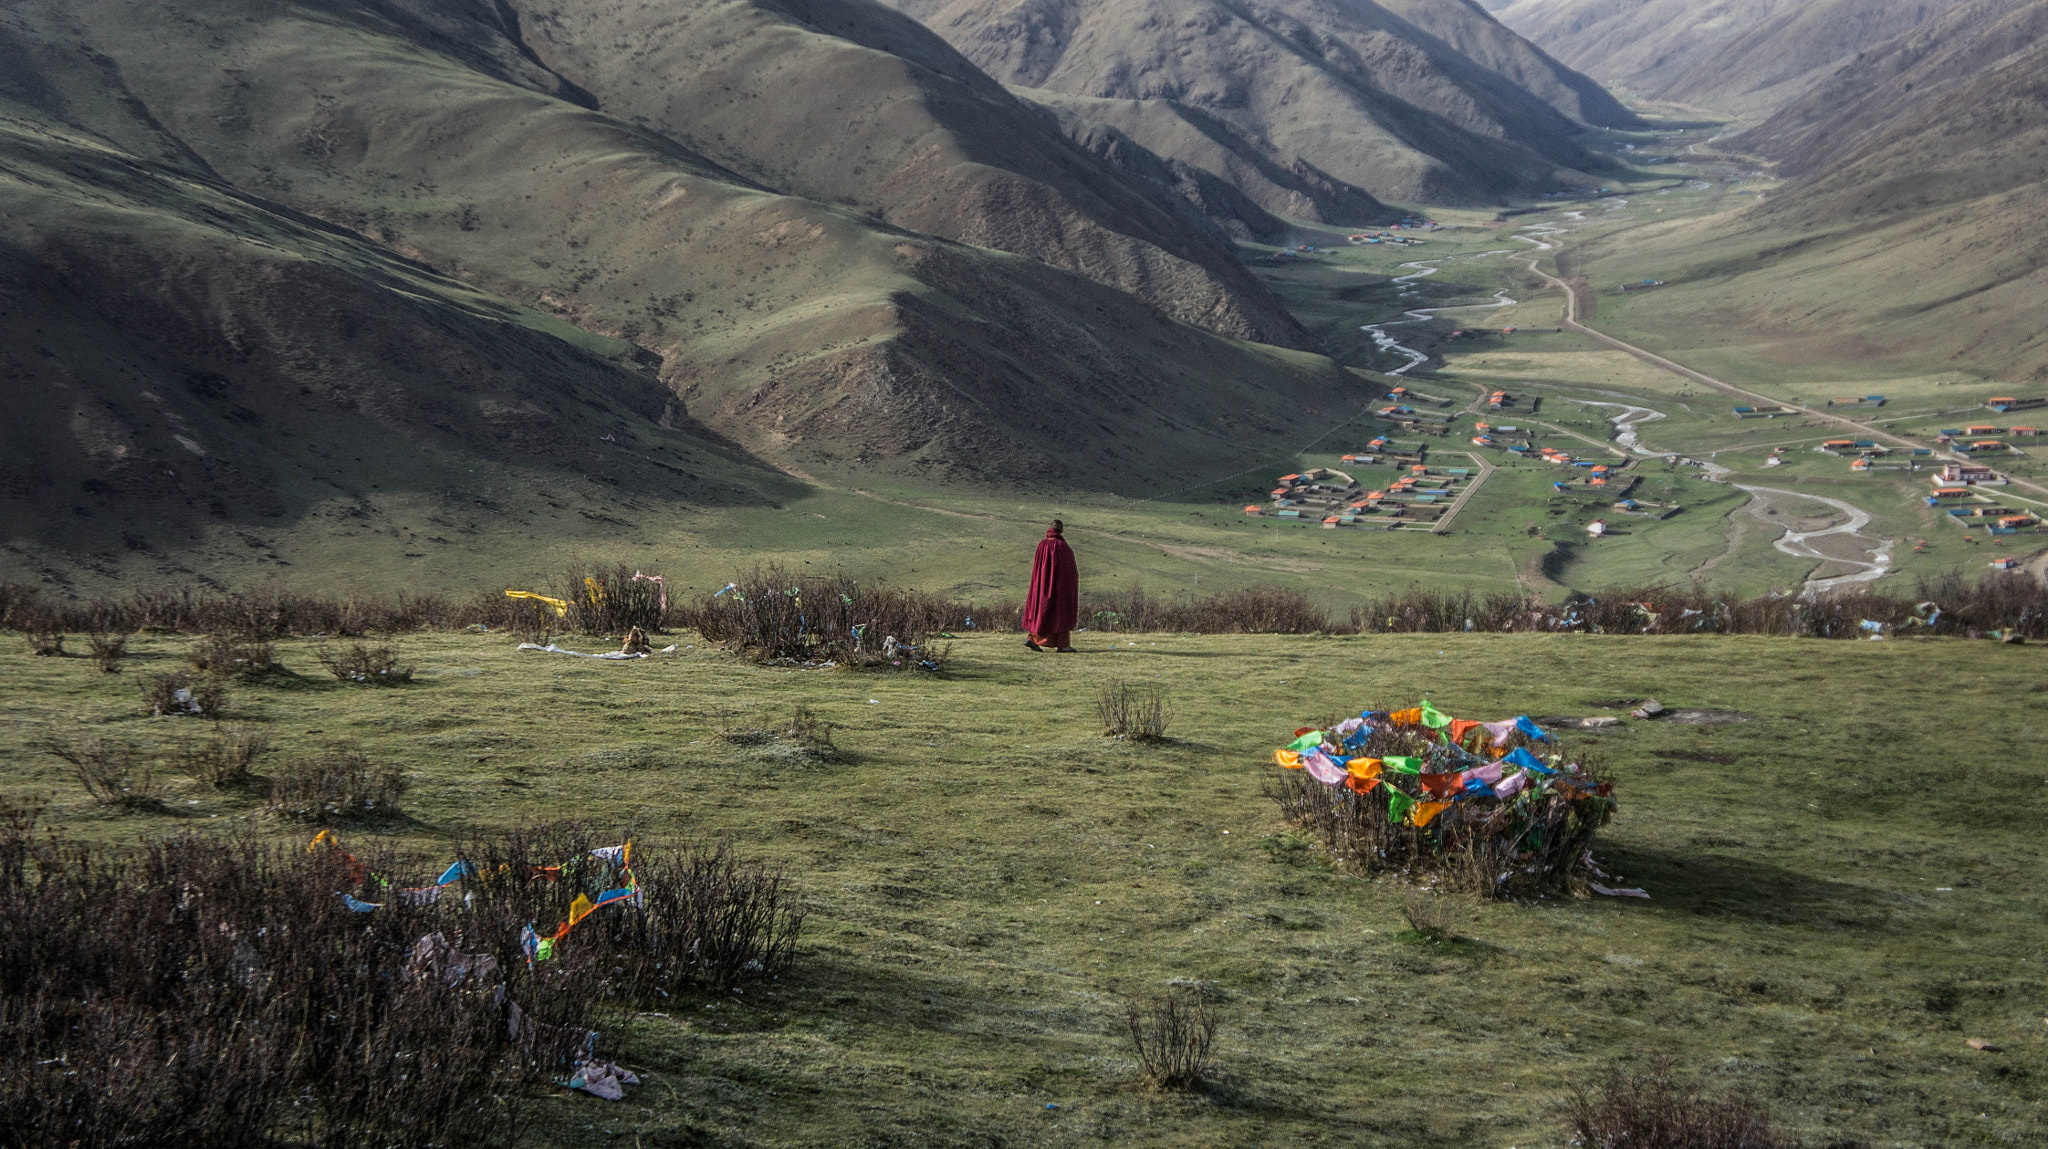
595 276
1378 96
1644 45
1274 180
1743 58
190 371
1917 226
1787 55
846 102
1956 98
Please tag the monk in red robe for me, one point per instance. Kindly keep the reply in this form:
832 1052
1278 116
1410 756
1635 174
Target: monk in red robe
1055 599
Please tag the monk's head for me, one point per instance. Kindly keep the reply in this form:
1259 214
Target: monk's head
1059 528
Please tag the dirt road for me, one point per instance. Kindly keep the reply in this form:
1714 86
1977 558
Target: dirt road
1571 323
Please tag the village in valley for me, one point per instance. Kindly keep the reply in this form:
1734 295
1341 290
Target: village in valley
1482 422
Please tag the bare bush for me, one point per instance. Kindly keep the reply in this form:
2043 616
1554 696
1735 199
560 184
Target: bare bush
185 694
225 759
704 916
1139 713
1432 918
774 615
115 773
108 649
1649 1109
231 655
339 786
45 643
613 602
1254 610
1537 843
364 664
1173 1035
2006 604
712 918
810 732
287 1019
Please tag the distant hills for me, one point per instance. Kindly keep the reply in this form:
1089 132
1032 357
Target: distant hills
1413 100
1736 57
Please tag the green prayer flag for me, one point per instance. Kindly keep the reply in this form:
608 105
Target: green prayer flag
545 950
1403 765
1433 718
1398 804
1308 741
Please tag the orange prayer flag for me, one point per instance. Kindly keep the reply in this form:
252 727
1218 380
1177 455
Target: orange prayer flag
1425 811
1358 785
1363 768
1287 758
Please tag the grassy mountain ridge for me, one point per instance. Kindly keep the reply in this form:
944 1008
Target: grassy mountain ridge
424 186
194 369
852 104
1737 57
1380 97
1790 53
1205 143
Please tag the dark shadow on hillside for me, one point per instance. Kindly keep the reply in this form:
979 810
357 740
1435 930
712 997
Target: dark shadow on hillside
1685 880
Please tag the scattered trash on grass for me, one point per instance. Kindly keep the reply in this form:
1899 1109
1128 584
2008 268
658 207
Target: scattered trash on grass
607 656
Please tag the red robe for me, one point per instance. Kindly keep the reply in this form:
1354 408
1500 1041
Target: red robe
1054 604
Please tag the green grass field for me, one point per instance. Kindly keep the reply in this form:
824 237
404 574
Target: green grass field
1845 880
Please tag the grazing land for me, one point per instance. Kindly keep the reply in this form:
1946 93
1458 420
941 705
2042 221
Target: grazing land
1842 878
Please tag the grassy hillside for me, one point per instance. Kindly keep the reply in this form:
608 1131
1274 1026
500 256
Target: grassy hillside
1434 102
424 170
1738 58
990 878
1274 179
1797 49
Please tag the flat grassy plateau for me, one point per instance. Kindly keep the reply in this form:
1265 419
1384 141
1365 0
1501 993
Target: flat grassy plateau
1845 882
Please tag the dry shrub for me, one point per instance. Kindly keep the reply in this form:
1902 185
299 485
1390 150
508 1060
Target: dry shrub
612 602
705 918
1648 1109
339 786
45 643
288 1020
1432 918
184 694
364 664
710 919
1254 610
225 759
774 615
1138 713
1533 845
534 622
2009 602
108 649
230 655
114 772
809 732
1173 1035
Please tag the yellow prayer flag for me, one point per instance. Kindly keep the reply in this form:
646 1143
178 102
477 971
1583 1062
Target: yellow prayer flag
561 605
1363 768
580 909
1287 758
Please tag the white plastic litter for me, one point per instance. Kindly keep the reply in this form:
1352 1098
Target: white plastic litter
1605 892
608 656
